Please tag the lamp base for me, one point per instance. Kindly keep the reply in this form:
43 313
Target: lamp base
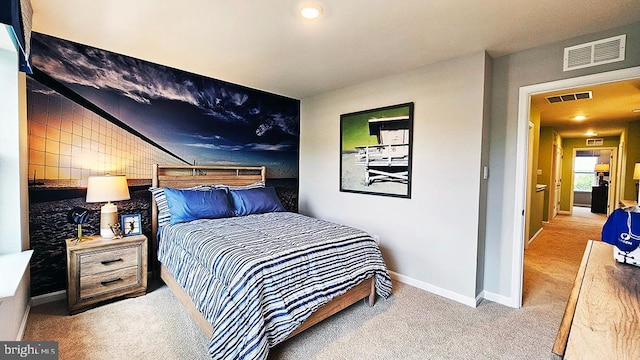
108 219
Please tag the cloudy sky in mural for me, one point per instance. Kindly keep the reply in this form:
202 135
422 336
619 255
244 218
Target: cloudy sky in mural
197 118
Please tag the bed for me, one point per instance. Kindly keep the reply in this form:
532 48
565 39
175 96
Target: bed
261 275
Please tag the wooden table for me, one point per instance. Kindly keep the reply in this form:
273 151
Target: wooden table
602 318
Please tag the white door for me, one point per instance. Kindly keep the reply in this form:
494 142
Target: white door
613 182
557 181
530 171
551 210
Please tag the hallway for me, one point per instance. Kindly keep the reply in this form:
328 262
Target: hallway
552 260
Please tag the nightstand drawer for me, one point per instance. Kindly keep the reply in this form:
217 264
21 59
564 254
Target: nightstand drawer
93 285
108 260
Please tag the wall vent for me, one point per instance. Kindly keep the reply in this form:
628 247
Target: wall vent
594 53
595 142
569 97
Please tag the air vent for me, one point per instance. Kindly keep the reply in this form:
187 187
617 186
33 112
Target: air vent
569 97
594 53
595 142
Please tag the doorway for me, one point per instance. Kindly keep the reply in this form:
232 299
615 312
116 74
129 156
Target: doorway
522 175
592 179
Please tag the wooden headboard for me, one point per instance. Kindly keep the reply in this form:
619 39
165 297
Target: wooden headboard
185 176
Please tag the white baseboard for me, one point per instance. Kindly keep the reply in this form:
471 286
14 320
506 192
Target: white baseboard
497 298
534 236
47 298
23 323
479 298
473 302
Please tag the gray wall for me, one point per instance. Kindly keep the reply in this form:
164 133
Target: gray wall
14 235
534 66
582 198
431 240
483 183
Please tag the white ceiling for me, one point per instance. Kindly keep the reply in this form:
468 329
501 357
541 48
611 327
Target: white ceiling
266 45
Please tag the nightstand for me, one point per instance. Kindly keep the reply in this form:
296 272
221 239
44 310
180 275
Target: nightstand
101 269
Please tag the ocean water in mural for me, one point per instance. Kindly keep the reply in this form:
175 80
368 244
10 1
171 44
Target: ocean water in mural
92 112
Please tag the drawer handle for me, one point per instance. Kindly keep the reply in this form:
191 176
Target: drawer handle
109 282
107 262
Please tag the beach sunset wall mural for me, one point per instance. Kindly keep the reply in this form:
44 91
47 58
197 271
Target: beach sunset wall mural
94 112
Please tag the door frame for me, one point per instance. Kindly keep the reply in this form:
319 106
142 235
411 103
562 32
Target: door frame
530 185
524 108
556 177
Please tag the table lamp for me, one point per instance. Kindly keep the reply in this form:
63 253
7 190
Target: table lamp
107 188
636 176
601 169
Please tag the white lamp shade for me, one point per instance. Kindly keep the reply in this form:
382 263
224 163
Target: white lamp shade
636 172
107 188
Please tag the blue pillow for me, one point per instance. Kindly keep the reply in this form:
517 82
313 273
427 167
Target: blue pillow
164 216
188 205
255 201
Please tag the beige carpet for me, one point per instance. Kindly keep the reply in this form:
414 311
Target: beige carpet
153 326
412 324
552 259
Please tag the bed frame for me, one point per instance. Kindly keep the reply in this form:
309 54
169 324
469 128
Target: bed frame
183 176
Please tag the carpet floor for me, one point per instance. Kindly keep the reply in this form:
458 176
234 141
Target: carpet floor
411 324
552 259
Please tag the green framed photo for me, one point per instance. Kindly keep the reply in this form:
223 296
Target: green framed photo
375 150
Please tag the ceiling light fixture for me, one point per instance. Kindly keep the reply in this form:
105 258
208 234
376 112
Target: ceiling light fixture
591 133
579 118
636 110
311 11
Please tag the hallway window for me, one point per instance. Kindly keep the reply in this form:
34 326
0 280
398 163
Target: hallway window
583 175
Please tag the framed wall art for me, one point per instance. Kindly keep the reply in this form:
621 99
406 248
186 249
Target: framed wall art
375 150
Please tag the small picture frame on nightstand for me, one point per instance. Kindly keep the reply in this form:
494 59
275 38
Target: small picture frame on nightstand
131 224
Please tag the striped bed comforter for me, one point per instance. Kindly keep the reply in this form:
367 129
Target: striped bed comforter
256 278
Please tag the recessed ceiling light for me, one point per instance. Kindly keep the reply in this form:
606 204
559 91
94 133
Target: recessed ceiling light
579 118
591 133
311 11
